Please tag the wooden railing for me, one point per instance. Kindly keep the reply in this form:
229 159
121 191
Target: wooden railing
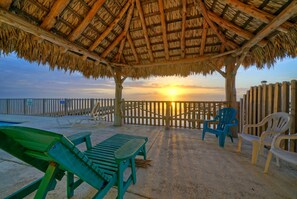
178 114
56 107
263 100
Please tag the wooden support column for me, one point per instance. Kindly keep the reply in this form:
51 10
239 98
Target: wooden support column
230 89
118 98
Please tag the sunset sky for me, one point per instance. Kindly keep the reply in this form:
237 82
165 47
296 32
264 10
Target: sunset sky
21 79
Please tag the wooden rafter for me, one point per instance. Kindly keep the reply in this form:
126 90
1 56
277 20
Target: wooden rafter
127 25
110 27
257 13
131 44
17 22
203 39
233 28
113 44
50 20
5 4
214 28
86 21
185 60
164 29
143 24
286 14
183 32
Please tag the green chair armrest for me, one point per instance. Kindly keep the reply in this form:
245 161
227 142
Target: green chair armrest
82 137
129 150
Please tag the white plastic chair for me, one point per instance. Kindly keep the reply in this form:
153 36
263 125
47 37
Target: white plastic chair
281 153
277 123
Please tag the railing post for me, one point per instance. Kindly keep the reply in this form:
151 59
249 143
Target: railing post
167 117
24 102
91 104
65 106
123 110
43 106
7 106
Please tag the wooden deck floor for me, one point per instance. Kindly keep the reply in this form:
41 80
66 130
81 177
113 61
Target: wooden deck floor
183 166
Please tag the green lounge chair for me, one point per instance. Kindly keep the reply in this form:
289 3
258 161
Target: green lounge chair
101 166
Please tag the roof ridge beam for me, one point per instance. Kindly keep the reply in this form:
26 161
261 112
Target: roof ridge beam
214 27
110 27
57 8
164 28
234 28
257 14
183 32
149 48
113 44
204 34
288 12
86 21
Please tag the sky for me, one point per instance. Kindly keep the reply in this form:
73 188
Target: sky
21 79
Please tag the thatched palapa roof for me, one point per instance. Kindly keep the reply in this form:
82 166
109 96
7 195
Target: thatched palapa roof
149 37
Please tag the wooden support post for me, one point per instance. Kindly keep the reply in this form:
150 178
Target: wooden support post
167 116
230 89
293 129
118 98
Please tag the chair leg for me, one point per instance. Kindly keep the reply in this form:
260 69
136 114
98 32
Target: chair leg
47 181
203 134
255 152
239 144
133 170
269 156
70 181
222 138
120 181
144 152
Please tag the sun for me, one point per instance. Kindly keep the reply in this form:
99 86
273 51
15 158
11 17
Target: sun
172 92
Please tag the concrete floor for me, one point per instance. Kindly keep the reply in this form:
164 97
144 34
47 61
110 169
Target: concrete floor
183 166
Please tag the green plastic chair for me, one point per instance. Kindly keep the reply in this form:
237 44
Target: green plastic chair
101 166
225 119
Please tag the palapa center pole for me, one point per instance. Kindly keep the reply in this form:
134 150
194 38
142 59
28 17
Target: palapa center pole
118 98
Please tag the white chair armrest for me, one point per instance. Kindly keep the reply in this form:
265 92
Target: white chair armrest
278 139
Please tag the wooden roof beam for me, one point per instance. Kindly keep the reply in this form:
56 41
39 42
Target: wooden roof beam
204 34
110 27
185 60
164 29
57 8
286 14
17 22
5 4
143 24
234 28
183 32
86 21
257 13
113 44
131 44
222 38
127 25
